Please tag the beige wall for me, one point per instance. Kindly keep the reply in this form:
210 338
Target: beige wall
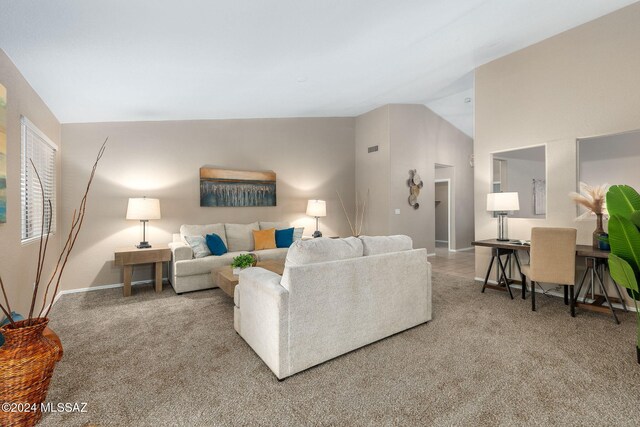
412 142
17 261
311 157
411 137
581 83
372 169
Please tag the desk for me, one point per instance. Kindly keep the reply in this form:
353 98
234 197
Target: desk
501 248
595 261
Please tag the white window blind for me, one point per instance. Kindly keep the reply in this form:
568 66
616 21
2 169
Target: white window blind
38 148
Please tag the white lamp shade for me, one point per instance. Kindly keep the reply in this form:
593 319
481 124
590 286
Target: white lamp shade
502 202
143 208
317 208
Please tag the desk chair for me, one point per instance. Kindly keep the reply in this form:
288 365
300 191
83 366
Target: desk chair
552 260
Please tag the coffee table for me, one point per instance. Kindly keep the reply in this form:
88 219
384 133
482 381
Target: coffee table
227 281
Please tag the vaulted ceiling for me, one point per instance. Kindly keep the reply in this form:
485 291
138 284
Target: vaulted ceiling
126 60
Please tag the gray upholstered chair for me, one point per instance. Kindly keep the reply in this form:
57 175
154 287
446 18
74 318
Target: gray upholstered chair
552 260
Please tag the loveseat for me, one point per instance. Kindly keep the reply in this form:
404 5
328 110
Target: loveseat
192 274
334 296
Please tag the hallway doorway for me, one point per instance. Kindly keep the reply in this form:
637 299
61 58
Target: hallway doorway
443 213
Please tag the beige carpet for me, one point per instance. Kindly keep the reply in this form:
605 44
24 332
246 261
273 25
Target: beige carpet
165 360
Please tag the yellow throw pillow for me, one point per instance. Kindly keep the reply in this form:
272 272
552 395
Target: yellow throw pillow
264 239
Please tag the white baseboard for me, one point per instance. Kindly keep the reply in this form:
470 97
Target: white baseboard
433 254
550 292
470 248
165 280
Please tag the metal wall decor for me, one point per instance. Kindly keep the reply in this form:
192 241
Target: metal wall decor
415 184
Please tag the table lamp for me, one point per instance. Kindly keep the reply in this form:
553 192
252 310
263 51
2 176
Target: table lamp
317 208
501 203
143 209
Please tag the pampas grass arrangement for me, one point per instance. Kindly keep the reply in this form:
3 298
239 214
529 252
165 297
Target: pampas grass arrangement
592 198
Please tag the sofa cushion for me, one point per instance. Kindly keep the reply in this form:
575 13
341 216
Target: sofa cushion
284 238
240 236
198 246
323 249
375 245
203 230
204 265
264 225
264 239
215 244
278 254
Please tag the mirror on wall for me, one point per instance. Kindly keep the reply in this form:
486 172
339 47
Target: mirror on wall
523 171
609 159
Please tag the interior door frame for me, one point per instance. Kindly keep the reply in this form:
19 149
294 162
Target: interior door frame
448 181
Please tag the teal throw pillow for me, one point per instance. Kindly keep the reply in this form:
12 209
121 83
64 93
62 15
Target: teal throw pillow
284 238
215 244
198 245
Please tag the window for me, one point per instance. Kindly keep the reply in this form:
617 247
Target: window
39 149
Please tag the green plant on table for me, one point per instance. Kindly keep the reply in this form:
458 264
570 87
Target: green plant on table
243 261
623 203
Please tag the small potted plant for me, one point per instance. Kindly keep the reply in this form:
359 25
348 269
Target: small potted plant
241 262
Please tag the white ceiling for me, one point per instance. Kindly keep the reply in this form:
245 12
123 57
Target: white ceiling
125 60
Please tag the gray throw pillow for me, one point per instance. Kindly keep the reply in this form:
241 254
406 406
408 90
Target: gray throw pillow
297 233
198 245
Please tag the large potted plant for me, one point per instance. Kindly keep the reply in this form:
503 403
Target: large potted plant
623 203
30 352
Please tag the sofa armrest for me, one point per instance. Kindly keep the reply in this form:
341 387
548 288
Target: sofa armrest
264 317
180 251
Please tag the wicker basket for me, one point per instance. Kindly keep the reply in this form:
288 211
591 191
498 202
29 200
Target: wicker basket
27 359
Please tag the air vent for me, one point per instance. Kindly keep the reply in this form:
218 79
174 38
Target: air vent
372 149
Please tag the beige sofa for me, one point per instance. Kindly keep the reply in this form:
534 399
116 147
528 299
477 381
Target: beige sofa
192 274
334 296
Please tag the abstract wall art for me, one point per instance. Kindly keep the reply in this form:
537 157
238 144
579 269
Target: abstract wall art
3 154
233 188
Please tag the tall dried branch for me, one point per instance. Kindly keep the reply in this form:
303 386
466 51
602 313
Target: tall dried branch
75 231
6 311
41 253
353 231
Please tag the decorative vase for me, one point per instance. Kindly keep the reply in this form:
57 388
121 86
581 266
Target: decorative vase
27 359
599 231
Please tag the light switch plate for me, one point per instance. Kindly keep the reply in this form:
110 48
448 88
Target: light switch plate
397 211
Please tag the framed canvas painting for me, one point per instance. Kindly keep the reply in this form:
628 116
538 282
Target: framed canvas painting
3 154
232 188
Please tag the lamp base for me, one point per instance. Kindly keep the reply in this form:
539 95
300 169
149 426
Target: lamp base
143 245
503 240
317 233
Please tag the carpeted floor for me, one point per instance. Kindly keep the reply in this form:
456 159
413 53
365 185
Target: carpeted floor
165 360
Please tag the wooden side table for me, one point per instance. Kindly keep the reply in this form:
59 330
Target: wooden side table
128 257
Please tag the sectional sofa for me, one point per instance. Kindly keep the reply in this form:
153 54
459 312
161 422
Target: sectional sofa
334 296
192 274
